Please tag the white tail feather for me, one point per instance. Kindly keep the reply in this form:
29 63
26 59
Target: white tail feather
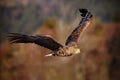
48 55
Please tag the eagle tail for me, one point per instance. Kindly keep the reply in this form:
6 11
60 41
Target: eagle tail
48 55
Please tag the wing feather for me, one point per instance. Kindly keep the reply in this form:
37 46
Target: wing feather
43 41
73 37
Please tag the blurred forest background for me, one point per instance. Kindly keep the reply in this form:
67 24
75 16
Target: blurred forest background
100 43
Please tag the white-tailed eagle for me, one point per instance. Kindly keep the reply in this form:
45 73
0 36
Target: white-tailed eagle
58 49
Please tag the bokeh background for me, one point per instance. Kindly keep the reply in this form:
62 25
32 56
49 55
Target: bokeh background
100 43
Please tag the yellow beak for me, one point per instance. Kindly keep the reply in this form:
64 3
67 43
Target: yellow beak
77 51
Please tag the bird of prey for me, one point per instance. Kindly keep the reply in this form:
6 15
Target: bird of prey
58 49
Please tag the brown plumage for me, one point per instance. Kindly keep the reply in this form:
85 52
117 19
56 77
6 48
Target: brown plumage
48 42
41 40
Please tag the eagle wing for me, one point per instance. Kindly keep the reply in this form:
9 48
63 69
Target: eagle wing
43 41
73 37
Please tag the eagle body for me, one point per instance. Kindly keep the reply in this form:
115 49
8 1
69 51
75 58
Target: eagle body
66 51
48 42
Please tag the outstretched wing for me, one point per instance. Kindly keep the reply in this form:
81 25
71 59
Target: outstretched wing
73 38
43 41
